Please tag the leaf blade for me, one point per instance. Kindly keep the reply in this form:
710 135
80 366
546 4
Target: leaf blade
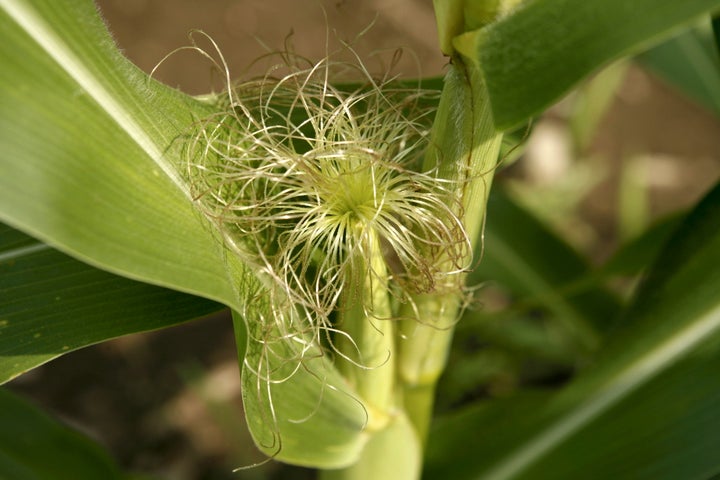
524 256
527 66
75 171
691 63
33 446
660 361
53 304
80 175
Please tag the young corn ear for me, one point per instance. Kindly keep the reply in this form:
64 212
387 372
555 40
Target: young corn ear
322 189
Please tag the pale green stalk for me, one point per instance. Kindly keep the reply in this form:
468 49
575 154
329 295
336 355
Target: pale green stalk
463 152
392 451
466 147
368 333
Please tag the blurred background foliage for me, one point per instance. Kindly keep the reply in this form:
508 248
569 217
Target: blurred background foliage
583 202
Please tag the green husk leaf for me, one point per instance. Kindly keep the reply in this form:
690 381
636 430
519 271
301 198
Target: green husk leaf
306 415
398 437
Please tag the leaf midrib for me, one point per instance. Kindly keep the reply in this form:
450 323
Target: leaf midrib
62 54
18 252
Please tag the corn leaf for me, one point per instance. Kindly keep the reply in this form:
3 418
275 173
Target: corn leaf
33 446
646 409
86 152
88 164
535 54
53 304
522 255
690 62
640 252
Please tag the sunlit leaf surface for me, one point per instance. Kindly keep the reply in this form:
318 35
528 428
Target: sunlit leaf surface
537 53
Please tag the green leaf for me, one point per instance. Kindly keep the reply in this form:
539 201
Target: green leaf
535 54
593 99
522 255
513 144
522 333
35 447
88 164
87 145
690 62
53 304
460 445
639 253
647 409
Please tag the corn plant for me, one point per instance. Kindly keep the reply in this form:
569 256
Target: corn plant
339 222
